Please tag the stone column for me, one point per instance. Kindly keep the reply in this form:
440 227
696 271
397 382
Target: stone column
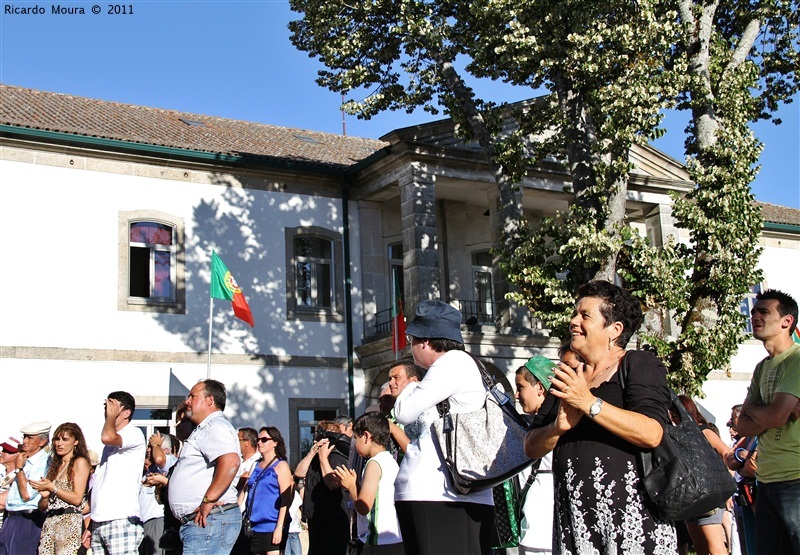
421 258
660 226
509 315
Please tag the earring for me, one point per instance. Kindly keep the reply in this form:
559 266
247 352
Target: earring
610 343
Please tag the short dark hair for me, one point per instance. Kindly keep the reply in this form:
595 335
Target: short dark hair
126 401
529 377
250 435
617 306
443 345
566 348
786 304
275 434
215 390
376 424
412 369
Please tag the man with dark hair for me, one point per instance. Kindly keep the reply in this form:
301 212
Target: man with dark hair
248 441
116 526
771 412
403 372
202 489
22 526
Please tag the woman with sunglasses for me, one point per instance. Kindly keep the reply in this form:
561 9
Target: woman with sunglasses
269 494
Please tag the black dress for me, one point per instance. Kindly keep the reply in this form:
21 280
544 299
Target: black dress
600 504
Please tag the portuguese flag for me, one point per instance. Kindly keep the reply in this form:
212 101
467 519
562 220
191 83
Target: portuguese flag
223 286
398 321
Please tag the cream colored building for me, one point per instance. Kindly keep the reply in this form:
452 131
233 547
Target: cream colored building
109 213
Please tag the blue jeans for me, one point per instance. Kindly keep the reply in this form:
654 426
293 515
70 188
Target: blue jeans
293 545
778 518
217 538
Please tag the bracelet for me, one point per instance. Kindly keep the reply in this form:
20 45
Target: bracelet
55 489
736 455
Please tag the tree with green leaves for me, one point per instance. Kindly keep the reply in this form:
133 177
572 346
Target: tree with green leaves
611 68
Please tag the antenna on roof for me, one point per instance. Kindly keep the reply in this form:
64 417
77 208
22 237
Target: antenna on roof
344 123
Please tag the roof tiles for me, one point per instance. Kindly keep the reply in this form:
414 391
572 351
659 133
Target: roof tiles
29 108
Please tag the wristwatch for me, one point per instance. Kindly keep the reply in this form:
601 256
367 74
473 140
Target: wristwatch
594 410
207 500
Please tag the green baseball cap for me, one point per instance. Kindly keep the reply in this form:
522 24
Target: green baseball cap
542 369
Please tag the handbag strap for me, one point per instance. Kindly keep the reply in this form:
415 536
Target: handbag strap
490 384
251 498
523 494
444 406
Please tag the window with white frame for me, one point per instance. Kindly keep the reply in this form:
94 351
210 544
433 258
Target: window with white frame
314 288
484 287
396 282
304 415
747 304
313 271
152 419
151 262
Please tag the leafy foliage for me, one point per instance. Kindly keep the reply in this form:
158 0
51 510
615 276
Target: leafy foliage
611 69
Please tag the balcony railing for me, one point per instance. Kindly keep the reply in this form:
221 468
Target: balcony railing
475 313
383 322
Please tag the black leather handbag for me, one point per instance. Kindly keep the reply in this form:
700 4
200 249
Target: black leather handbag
684 477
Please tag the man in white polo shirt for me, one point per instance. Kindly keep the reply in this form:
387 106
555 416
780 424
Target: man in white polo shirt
202 489
116 528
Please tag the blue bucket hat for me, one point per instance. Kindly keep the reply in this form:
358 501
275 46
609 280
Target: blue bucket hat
436 320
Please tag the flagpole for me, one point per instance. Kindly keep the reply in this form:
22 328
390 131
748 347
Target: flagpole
210 320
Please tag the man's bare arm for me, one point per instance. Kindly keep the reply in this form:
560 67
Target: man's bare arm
756 419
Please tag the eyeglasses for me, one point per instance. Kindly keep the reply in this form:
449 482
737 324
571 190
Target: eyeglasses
264 439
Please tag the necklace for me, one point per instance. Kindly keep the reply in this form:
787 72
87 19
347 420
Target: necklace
596 377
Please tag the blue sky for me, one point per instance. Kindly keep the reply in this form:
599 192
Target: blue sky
234 59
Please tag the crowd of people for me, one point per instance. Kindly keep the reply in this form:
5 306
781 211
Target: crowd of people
377 485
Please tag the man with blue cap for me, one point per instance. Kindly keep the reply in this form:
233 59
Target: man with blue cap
434 519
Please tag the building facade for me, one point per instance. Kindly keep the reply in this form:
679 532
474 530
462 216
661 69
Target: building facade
319 230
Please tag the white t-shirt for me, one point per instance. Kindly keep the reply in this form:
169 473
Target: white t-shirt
454 375
195 468
380 526
115 490
536 529
245 467
149 507
294 513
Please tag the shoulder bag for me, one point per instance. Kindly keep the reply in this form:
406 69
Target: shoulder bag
509 502
684 476
483 448
247 525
